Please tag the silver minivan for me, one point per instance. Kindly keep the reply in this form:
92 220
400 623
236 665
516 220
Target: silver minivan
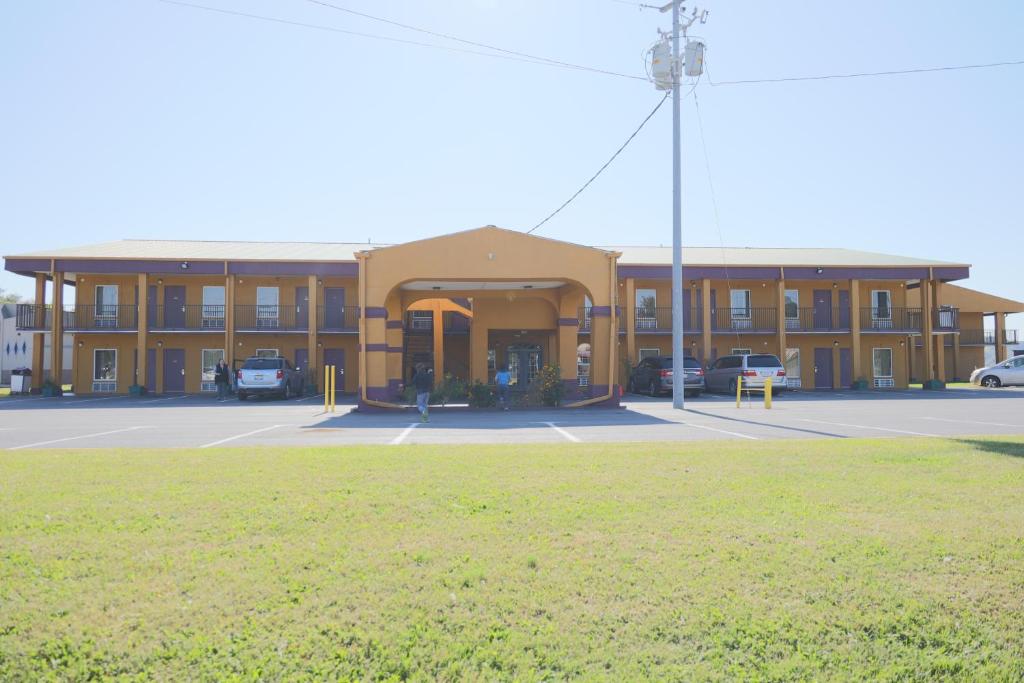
754 368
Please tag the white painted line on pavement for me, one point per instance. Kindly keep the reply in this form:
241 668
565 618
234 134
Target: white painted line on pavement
90 400
240 436
72 438
169 398
721 431
306 398
564 433
881 429
405 432
973 422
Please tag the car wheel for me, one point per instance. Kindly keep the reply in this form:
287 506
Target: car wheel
991 381
241 395
732 386
652 388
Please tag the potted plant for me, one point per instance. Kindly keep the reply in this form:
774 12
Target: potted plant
51 388
136 390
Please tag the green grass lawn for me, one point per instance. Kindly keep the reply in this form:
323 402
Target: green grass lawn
806 560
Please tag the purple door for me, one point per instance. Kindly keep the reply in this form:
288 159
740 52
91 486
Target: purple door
823 309
714 309
823 368
844 309
174 308
150 370
336 357
301 361
334 308
845 368
301 308
151 305
174 370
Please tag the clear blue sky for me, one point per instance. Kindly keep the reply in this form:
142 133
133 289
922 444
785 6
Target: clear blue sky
135 118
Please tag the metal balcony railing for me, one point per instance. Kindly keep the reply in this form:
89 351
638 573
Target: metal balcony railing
659 320
190 317
423 322
889 319
751 320
343 319
91 318
260 318
986 337
585 319
33 317
946 319
818 320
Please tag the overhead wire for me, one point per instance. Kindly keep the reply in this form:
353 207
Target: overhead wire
867 74
449 36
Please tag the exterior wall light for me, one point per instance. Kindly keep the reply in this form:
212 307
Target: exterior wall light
160 343
819 270
835 343
184 265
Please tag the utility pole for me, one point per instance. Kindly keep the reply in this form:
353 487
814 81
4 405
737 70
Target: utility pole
696 58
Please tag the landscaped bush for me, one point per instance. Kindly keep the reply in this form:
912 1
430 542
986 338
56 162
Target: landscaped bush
481 395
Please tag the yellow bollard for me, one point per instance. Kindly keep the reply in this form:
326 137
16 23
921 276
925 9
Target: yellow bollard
327 383
768 393
332 388
739 389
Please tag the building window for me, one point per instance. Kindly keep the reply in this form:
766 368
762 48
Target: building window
583 365
267 301
422 320
213 307
739 300
647 353
266 353
792 364
881 304
106 306
741 352
646 309
792 305
210 359
881 360
492 359
104 370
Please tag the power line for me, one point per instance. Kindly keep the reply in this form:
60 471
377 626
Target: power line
606 165
448 36
358 34
867 74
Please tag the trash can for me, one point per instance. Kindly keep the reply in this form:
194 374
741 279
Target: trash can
21 381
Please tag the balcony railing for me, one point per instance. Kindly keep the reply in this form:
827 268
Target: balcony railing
91 318
986 337
344 319
190 317
818 320
260 318
454 323
890 319
33 317
659 320
585 317
749 320
946 319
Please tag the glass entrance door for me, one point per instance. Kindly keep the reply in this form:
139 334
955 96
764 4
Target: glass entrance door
524 362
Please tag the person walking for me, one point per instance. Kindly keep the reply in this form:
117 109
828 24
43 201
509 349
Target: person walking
222 378
503 378
423 381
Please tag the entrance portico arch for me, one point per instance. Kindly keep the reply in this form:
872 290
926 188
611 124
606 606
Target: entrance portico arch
511 281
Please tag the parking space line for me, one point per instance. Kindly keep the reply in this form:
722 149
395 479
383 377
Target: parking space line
973 422
306 398
90 400
169 398
240 436
72 438
881 429
405 432
567 435
721 431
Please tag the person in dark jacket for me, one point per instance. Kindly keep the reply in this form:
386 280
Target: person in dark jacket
222 378
423 381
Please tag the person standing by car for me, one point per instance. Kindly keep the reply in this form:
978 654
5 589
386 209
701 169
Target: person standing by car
222 378
502 379
423 381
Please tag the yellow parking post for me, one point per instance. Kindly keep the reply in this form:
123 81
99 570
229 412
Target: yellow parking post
332 388
768 393
327 382
739 389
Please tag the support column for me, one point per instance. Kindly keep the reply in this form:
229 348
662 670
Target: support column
940 339
926 331
142 338
478 338
855 345
1000 319
57 330
438 328
229 321
956 357
705 322
631 320
837 369
312 335
39 338
780 313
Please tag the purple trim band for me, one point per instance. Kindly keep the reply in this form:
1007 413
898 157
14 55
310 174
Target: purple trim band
652 272
568 322
376 312
600 311
376 347
31 265
140 266
393 325
293 268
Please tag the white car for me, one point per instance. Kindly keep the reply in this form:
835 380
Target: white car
1007 373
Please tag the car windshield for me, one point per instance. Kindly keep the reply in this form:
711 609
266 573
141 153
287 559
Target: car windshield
262 364
764 361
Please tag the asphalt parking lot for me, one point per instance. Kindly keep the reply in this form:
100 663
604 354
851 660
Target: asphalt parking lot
203 422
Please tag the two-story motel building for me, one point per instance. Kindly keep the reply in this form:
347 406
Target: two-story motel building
160 314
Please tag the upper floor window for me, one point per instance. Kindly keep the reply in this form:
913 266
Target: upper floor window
213 301
792 303
106 301
739 301
881 304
